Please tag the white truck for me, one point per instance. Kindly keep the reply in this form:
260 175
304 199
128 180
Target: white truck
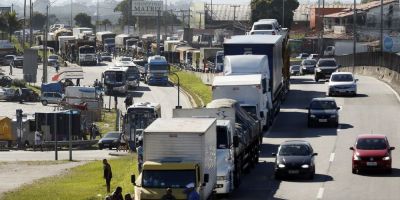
79 32
177 152
238 141
255 92
62 40
88 97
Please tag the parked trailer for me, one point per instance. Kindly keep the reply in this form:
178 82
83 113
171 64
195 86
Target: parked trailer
232 157
178 152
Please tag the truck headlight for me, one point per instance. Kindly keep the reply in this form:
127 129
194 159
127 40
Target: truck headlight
305 166
312 116
281 165
115 141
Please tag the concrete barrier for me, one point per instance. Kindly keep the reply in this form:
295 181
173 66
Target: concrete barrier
389 76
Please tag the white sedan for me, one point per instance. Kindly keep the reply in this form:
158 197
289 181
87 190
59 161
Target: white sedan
342 83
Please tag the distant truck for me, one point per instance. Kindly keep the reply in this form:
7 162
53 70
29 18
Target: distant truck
275 48
62 41
237 138
105 41
207 58
178 152
80 51
268 27
121 41
78 33
157 70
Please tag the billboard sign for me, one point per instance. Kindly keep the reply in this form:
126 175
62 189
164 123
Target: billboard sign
146 8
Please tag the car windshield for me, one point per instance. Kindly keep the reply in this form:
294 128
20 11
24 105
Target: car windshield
168 178
309 62
323 105
112 135
53 57
86 50
295 67
342 78
294 150
263 27
105 54
371 144
328 63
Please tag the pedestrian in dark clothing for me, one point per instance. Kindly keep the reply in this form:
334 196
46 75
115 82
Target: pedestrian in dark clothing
11 68
107 174
128 101
168 195
116 101
191 192
128 197
20 96
117 194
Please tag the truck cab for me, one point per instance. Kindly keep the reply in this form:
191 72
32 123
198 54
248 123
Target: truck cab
87 55
157 70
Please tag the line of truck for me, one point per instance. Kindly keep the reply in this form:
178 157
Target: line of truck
213 147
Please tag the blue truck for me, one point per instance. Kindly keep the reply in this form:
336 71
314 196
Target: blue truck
273 46
157 70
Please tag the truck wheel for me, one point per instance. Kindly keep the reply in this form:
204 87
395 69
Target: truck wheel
44 102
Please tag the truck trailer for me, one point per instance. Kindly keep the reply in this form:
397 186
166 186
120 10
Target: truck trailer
178 152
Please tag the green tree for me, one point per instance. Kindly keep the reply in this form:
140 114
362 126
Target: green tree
124 8
10 23
38 20
272 9
105 22
83 20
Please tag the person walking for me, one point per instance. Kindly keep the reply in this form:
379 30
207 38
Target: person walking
128 101
107 174
191 193
168 195
117 194
139 151
128 197
38 140
11 69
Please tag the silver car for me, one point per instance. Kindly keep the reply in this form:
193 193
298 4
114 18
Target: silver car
342 83
51 98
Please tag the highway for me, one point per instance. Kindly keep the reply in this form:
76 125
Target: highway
374 110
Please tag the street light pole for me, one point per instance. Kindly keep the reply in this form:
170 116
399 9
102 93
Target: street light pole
381 43
70 135
44 78
158 32
354 35
179 91
283 13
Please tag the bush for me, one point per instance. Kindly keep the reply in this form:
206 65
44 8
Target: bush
18 82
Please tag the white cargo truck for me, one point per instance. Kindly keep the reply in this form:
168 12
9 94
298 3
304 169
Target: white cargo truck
177 152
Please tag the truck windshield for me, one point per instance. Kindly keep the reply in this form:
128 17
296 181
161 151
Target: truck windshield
158 67
109 41
87 50
252 110
168 178
132 73
263 27
222 138
141 117
114 77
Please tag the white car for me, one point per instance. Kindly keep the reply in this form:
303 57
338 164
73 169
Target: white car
267 27
342 83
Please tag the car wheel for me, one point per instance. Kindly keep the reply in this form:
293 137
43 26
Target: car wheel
110 148
336 124
354 94
354 170
311 175
44 102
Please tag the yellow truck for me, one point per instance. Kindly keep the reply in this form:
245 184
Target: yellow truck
6 130
178 152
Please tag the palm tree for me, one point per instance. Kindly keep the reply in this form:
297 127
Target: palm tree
105 23
11 23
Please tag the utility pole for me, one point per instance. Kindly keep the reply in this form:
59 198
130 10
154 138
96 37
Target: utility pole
44 78
381 43
23 29
165 18
172 20
211 11
354 35
322 27
234 11
183 18
200 13
158 32
30 23
189 18
130 16
71 22
97 15
12 7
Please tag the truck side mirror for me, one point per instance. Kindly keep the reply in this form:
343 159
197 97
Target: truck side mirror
133 179
235 141
206 178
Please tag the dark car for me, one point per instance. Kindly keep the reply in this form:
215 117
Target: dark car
30 95
308 66
5 81
294 70
295 158
7 59
371 151
18 62
110 140
52 60
323 111
324 68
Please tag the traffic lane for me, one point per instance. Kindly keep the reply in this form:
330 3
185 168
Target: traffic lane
291 123
375 110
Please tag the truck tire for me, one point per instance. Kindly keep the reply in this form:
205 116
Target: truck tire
44 102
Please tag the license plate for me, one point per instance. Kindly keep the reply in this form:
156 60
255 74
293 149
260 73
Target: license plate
293 171
219 186
372 164
323 120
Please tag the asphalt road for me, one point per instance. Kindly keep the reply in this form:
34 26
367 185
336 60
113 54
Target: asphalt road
374 110
165 95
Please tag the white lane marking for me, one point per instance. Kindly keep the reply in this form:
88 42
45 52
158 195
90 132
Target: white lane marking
332 157
320 193
394 91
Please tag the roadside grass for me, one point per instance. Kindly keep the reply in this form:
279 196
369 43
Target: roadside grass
34 88
193 85
83 182
107 122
